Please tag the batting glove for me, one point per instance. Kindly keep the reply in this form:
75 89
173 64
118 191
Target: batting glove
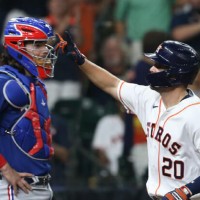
182 193
69 48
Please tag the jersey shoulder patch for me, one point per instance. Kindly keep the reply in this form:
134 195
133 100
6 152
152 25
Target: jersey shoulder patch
15 94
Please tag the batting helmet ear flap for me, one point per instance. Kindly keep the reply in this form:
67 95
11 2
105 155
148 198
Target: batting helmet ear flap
181 62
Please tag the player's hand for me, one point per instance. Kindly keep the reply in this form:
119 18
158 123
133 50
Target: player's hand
69 47
178 194
16 179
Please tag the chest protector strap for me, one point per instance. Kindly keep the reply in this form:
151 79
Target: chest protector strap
33 115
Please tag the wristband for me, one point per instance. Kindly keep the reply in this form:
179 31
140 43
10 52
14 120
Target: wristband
186 191
194 186
2 161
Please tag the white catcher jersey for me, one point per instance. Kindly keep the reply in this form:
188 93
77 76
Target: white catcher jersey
173 136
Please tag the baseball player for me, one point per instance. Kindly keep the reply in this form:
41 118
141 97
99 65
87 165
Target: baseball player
25 141
169 114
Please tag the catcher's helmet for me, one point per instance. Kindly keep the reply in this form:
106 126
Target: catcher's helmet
18 32
180 61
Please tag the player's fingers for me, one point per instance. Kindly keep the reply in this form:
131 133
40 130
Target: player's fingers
23 174
68 38
28 186
15 190
21 185
58 37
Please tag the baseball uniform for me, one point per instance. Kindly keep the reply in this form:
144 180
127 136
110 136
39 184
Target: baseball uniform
172 136
25 140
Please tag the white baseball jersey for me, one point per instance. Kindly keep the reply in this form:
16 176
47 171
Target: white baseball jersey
108 137
173 136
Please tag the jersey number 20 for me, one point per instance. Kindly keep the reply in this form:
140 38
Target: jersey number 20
173 169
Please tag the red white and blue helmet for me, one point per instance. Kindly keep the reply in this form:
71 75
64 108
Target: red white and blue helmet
20 30
181 63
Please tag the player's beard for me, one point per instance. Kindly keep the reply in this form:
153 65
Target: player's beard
162 89
157 89
46 62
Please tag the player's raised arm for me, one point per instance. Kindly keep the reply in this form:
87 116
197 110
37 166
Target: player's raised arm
99 76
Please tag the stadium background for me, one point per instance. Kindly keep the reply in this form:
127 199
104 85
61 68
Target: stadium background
113 34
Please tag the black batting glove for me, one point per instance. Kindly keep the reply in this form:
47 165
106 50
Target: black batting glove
182 193
69 48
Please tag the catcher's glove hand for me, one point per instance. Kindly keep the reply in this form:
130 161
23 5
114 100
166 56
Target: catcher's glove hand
69 48
182 193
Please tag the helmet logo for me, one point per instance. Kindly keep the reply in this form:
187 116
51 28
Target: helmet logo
48 26
158 49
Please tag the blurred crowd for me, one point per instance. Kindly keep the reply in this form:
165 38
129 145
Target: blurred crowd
96 143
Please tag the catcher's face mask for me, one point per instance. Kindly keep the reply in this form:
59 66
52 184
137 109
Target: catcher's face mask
43 55
30 42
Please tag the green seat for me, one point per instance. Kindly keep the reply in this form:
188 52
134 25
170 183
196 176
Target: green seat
71 111
91 113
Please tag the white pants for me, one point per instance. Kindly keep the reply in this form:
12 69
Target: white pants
37 193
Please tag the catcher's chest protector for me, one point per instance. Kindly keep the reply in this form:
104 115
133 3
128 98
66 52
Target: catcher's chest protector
27 118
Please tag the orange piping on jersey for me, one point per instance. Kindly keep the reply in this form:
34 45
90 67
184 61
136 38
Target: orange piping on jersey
158 170
159 147
163 127
179 112
120 98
